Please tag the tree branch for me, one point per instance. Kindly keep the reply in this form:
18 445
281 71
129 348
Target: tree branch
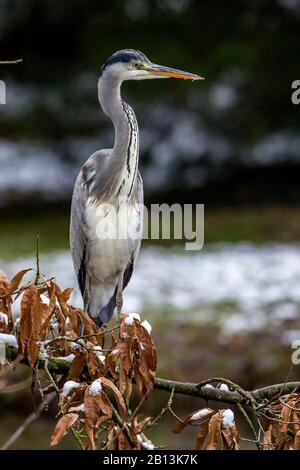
59 366
7 62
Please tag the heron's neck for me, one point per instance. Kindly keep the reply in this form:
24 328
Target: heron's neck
124 158
109 94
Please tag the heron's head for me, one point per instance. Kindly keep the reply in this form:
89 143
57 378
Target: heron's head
129 64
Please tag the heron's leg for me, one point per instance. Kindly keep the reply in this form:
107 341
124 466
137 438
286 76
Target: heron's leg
119 296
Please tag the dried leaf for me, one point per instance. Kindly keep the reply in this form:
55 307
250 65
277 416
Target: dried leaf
27 301
105 405
63 426
202 434
297 441
214 430
76 366
94 365
117 394
285 417
36 319
14 283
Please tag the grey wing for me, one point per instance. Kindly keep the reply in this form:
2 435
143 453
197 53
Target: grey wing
78 238
139 199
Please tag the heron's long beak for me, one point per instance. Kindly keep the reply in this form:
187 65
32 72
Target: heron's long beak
168 72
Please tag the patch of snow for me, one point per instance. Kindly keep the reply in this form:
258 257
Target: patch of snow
129 321
68 387
96 387
135 315
145 444
147 326
228 418
10 340
45 299
148 445
77 408
200 414
208 386
224 388
99 353
3 318
68 358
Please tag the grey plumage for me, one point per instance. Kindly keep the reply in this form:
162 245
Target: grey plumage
109 182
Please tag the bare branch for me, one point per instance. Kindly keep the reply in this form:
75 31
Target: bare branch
59 366
9 62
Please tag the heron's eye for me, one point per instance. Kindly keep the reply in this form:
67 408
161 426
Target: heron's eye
135 65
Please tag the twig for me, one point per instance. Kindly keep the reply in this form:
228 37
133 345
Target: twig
118 420
250 424
28 421
138 407
7 62
168 407
37 257
77 438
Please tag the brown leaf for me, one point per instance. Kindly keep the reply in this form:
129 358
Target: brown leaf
66 294
297 441
36 320
118 396
123 443
267 442
179 426
94 365
76 366
193 419
63 426
48 312
214 429
92 407
285 417
14 283
105 405
202 435
27 301
230 438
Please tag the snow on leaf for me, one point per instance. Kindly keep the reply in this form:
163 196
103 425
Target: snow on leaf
68 387
227 418
96 387
3 318
147 326
129 321
200 414
10 340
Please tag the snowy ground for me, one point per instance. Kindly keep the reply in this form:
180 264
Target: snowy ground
242 286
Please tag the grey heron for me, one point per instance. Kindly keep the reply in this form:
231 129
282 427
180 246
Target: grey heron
104 265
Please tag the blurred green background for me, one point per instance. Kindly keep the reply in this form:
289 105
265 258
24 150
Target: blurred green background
231 142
